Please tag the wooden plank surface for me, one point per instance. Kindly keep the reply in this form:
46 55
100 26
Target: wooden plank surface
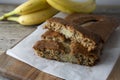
18 70
10 34
115 74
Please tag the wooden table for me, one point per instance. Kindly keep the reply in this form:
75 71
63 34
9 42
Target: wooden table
11 33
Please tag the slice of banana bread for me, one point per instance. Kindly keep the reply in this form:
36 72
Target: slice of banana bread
49 49
57 51
65 51
74 32
83 56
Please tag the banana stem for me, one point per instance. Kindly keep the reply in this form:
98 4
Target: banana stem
2 18
13 19
9 14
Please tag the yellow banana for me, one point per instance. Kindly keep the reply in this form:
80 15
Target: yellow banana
59 7
34 18
71 6
28 7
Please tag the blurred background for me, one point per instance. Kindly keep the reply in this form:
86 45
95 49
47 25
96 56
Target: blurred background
99 2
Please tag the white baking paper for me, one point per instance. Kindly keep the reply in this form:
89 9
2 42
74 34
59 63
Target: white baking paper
24 52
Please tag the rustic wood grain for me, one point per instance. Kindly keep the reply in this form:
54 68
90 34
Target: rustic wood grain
10 34
17 70
115 74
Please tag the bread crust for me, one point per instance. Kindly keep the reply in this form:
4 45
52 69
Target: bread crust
99 24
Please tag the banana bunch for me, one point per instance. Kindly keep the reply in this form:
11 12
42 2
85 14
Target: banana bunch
31 12
35 12
72 6
34 18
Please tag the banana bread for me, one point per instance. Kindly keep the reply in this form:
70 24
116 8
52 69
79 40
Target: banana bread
79 38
